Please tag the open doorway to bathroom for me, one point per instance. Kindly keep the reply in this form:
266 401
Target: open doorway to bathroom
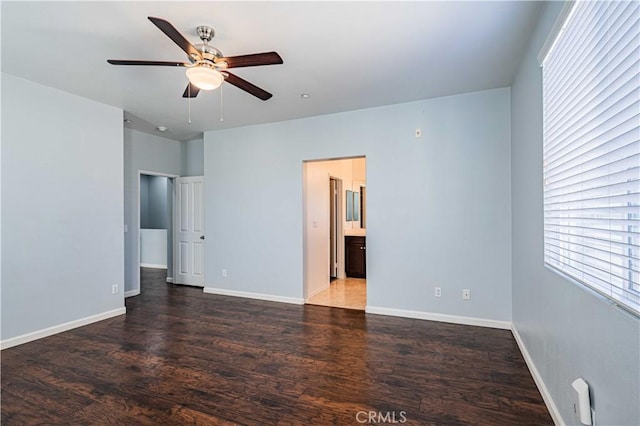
335 232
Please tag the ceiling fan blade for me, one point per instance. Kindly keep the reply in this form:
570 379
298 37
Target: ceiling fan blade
246 86
191 91
152 63
253 60
171 32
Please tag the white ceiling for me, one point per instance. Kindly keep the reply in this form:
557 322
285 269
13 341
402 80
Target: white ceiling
346 55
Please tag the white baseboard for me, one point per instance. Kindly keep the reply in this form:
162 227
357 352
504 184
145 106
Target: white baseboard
268 297
169 279
153 265
131 293
35 335
455 319
537 378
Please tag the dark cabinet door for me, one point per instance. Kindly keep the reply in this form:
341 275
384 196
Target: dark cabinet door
355 257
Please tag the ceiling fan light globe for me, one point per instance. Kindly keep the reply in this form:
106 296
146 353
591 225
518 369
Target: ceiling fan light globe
205 78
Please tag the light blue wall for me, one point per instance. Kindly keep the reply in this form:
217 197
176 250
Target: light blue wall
158 203
154 202
144 201
192 153
568 331
439 207
149 153
62 179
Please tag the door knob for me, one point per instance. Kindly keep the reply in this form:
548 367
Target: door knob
202 237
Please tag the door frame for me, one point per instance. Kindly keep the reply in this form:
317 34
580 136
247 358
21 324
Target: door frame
305 225
173 212
339 229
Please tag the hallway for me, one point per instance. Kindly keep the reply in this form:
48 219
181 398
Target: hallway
349 293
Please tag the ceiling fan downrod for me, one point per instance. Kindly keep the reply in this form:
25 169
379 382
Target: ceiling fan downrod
205 33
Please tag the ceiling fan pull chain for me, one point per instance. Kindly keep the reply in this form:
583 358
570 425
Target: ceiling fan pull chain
221 104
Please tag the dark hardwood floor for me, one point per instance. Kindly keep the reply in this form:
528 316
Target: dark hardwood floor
183 357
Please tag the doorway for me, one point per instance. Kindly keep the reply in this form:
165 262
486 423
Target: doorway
155 225
334 209
170 229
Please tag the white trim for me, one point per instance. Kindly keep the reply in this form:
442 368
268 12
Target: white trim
153 265
169 279
558 26
35 335
537 378
131 293
161 174
430 316
249 295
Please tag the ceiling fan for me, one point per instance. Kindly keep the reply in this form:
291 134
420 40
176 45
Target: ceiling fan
207 67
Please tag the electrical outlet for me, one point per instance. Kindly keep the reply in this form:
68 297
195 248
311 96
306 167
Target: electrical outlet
466 294
114 289
224 272
438 291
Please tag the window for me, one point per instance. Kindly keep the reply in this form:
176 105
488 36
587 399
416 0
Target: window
591 101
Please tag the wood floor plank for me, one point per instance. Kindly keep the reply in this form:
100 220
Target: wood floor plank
183 357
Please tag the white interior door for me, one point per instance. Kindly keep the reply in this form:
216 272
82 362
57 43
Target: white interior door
189 230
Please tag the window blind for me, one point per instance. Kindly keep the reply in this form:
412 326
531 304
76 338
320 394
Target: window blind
591 152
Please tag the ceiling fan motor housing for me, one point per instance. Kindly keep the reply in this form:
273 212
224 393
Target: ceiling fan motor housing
208 52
